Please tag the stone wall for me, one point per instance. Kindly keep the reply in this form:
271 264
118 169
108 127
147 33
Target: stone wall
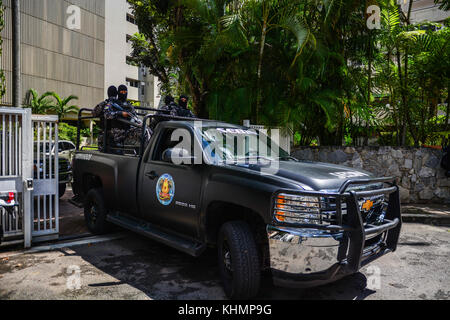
418 171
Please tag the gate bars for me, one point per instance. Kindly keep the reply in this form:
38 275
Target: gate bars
45 201
30 171
11 151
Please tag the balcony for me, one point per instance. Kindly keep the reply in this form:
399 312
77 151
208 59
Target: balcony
132 72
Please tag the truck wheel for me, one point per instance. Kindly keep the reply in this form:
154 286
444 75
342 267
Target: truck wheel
238 261
95 212
61 190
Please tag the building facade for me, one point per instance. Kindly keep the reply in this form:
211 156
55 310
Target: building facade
77 53
424 10
54 57
119 69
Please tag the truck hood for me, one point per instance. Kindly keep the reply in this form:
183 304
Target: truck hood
316 175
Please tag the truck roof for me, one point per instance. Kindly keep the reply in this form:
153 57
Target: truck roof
207 123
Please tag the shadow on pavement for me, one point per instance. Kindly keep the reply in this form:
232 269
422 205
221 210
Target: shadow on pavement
71 218
164 273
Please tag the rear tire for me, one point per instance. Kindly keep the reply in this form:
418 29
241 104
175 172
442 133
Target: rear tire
95 212
238 261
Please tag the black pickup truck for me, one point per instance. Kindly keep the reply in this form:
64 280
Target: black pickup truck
305 224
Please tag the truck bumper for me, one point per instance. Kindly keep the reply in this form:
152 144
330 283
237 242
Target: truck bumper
302 257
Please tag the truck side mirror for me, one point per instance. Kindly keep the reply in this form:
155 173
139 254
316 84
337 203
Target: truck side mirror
178 156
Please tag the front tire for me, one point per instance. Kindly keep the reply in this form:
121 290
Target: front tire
238 261
95 212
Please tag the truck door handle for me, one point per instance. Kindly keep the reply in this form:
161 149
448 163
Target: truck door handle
151 175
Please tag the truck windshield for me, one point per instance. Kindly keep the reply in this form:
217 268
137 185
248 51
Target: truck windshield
237 145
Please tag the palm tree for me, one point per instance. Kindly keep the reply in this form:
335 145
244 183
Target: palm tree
62 107
38 104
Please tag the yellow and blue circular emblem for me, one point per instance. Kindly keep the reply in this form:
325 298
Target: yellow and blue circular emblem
165 189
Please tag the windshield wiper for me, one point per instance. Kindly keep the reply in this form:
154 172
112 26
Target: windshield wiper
288 158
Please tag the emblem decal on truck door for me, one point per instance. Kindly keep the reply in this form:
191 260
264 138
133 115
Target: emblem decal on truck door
165 189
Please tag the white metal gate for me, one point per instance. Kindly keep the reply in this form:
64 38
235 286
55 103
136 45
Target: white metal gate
45 200
29 169
15 169
11 170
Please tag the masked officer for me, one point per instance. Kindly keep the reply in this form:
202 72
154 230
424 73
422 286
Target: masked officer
123 100
170 108
103 110
129 134
183 110
99 110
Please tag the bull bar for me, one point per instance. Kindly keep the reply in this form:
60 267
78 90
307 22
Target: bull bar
299 258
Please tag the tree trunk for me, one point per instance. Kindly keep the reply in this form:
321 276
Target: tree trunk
369 88
258 86
447 116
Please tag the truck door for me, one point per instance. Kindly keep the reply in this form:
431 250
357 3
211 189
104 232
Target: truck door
169 194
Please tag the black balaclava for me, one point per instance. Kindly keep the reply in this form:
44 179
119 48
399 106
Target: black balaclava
183 104
168 100
123 93
112 92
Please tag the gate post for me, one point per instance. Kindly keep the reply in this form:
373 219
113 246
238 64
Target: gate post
27 175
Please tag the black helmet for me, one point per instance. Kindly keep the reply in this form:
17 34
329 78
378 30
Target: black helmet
112 92
168 100
123 93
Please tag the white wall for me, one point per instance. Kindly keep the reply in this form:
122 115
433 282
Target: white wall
116 47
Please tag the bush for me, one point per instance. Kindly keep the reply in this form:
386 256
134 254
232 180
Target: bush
67 132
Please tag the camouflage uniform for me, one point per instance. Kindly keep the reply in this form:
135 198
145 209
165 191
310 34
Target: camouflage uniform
120 134
115 129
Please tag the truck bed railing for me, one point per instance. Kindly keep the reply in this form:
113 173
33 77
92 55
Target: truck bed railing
158 114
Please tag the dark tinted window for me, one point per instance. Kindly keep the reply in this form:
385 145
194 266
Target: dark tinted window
69 146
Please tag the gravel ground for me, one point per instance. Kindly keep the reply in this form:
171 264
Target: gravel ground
138 268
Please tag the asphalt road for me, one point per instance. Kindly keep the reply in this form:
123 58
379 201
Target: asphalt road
138 268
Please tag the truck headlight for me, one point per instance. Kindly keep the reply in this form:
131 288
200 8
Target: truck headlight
297 209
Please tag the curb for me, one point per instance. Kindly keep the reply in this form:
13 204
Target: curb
431 219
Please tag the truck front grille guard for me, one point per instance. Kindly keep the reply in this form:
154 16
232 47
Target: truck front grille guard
354 230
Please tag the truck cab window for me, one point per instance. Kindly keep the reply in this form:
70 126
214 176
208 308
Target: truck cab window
165 142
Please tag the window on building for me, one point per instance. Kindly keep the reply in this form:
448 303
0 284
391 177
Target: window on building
131 19
133 83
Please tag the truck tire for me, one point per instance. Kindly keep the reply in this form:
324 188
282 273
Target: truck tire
238 261
61 189
95 212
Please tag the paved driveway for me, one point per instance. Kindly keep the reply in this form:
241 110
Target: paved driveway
137 268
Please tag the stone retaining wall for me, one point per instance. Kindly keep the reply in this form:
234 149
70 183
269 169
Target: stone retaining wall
420 176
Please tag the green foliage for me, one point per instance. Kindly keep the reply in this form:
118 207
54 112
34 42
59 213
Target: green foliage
44 104
67 132
62 107
38 104
311 64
